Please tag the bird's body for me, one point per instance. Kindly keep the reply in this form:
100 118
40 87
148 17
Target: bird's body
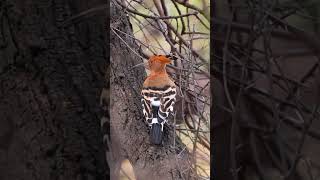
158 93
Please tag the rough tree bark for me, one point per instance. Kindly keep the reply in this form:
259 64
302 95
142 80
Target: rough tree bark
50 83
129 133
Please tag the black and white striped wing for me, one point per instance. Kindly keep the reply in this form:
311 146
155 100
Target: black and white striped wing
167 98
146 108
167 101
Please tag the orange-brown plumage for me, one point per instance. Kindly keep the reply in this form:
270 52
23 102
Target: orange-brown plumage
158 76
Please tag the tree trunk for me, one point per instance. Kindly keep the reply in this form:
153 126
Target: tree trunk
50 82
129 132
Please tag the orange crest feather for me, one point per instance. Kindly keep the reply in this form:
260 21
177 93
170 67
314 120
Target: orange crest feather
160 58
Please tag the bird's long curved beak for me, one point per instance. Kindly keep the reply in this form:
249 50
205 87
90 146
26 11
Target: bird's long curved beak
145 64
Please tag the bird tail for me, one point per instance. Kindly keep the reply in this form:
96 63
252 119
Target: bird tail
156 125
156 134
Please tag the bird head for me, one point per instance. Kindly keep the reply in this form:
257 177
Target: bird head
159 59
155 63
158 63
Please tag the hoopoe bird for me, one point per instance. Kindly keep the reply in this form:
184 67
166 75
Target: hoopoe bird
159 96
